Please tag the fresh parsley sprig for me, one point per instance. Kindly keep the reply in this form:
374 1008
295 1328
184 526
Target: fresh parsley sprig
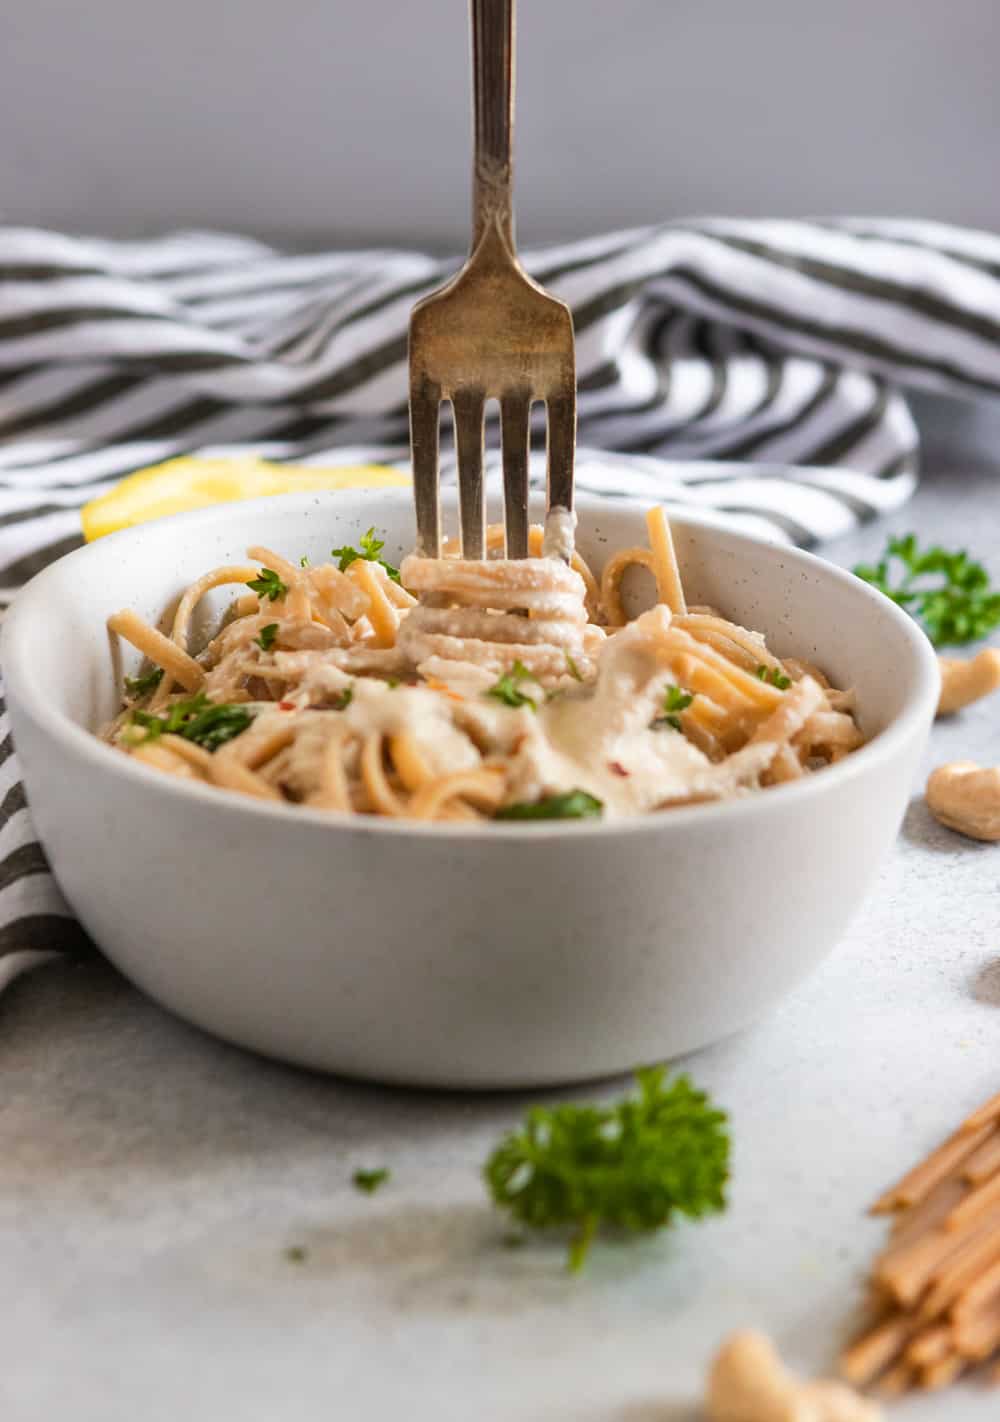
948 593
209 724
507 688
368 1181
268 584
632 1166
674 701
573 805
773 677
369 549
139 686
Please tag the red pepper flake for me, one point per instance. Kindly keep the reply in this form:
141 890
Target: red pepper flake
286 705
619 769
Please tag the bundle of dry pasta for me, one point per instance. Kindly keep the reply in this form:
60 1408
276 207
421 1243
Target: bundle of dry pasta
937 1283
467 689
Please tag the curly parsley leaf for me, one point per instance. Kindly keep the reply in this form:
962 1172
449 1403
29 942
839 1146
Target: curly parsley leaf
206 723
267 636
773 677
368 1181
631 1166
674 701
507 688
369 550
268 585
136 686
948 593
573 805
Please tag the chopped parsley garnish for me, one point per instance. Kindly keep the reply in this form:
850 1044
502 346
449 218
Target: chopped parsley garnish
573 805
296 1254
343 699
369 549
304 561
631 1166
368 1181
267 635
572 668
268 585
774 677
947 592
507 688
674 701
136 686
209 724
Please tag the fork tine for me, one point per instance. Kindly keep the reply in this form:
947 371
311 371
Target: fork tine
468 405
560 444
515 415
425 416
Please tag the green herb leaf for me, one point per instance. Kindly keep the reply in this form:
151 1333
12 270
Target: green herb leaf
506 688
267 635
136 686
303 561
631 1166
773 677
573 805
958 606
152 725
342 699
674 701
268 585
368 1181
209 724
296 1254
369 550
572 668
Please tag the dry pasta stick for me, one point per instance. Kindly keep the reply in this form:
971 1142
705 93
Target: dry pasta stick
942 1266
987 1115
922 1179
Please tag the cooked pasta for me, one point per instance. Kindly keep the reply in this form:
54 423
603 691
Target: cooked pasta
460 690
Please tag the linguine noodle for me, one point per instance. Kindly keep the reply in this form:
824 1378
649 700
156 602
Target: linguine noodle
459 690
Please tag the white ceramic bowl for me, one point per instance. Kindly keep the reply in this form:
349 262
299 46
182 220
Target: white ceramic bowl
449 955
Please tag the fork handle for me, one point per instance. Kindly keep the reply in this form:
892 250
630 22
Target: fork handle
493 91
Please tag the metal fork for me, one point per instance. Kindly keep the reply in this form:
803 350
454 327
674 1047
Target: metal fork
491 333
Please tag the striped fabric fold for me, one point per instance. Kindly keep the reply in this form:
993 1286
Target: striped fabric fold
751 369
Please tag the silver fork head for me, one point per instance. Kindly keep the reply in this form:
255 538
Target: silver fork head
491 333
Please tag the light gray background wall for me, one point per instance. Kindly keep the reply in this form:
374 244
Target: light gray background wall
318 120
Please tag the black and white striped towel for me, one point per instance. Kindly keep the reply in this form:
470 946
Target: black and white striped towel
781 343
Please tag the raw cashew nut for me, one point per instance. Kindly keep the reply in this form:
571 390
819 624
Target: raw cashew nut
966 798
966 680
749 1383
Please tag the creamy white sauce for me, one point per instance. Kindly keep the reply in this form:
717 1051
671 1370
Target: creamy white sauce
559 538
600 739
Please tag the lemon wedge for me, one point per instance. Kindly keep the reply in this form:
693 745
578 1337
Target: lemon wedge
182 484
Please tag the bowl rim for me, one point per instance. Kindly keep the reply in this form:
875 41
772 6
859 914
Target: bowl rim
85 745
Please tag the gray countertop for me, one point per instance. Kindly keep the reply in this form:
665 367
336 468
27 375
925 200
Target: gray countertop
151 1179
